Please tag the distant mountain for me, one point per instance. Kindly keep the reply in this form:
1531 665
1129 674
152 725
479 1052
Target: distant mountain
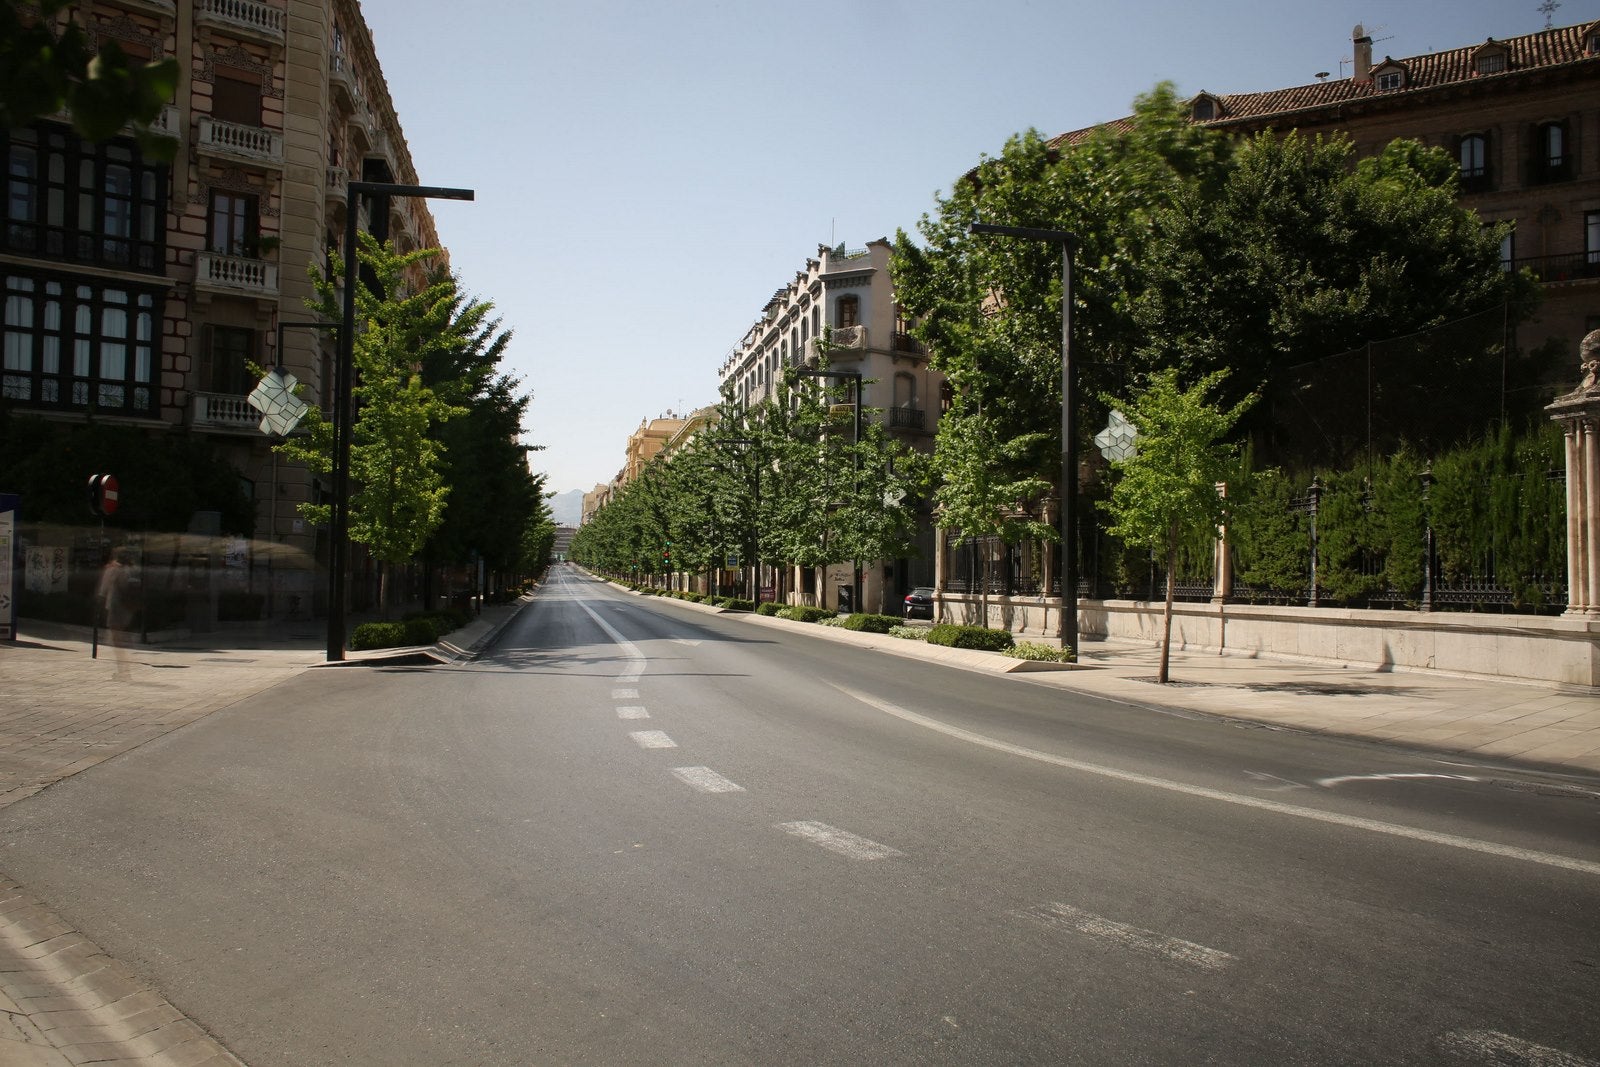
566 509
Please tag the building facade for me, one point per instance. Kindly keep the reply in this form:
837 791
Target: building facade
142 292
844 300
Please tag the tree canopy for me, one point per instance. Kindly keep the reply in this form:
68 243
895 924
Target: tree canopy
46 66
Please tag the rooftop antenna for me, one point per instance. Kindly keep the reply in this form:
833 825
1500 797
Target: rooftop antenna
1548 9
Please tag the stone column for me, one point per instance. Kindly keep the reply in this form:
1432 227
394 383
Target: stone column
941 567
1222 569
1578 412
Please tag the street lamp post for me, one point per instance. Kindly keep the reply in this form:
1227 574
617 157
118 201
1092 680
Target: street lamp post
854 377
1067 629
341 393
281 375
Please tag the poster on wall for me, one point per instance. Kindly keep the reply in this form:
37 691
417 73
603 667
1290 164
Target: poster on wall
47 569
9 504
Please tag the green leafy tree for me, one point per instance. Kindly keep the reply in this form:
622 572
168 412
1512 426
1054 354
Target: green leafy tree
397 491
1303 252
1169 487
46 66
989 308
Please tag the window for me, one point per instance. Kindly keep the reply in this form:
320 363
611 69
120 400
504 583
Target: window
1591 236
236 97
82 203
905 391
75 345
1490 63
1508 252
849 312
1551 160
232 231
1205 109
1391 79
223 365
1474 152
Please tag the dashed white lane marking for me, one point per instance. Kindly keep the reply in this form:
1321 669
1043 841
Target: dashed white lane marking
1066 917
841 841
1355 822
652 739
632 711
706 780
685 641
631 672
1491 1046
624 694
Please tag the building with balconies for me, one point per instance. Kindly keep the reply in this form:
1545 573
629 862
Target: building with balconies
142 292
842 306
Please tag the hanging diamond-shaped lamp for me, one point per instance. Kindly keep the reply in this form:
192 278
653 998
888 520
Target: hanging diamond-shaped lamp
281 411
1119 440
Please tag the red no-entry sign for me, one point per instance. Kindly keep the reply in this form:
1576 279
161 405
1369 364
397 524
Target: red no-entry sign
103 494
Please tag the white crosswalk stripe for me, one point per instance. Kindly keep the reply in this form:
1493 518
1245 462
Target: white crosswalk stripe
1066 917
632 712
652 739
706 780
841 841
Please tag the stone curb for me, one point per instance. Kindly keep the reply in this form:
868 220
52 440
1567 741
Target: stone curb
64 1002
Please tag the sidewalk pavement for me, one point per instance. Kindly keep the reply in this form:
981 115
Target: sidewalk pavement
62 1001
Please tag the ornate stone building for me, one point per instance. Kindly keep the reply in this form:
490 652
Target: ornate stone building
850 294
143 291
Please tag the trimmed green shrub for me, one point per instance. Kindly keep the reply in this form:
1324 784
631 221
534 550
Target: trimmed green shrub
420 631
836 620
733 603
1033 650
695 598
909 633
868 623
977 637
805 613
378 635
771 607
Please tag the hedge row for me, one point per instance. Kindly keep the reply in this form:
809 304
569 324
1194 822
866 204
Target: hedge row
978 637
418 628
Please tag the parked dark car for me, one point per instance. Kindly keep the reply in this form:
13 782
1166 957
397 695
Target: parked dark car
919 603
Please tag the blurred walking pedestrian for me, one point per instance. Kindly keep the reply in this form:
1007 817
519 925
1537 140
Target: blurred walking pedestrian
116 600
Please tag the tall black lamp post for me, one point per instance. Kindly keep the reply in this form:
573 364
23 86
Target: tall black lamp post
341 393
1068 627
853 376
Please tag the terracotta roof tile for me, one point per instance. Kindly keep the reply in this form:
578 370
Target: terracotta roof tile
1542 50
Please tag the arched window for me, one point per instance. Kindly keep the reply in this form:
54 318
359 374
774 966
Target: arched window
1474 155
848 313
1551 160
1205 109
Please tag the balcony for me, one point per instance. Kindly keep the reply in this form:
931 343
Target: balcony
1575 266
168 8
243 18
907 418
235 275
338 187
234 141
846 342
223 411
346 85
904 342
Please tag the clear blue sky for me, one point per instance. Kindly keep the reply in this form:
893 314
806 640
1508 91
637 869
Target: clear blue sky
648 172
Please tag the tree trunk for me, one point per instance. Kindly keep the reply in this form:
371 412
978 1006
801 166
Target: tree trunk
1166 624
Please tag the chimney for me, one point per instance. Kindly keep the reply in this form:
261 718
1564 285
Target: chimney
1363 55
